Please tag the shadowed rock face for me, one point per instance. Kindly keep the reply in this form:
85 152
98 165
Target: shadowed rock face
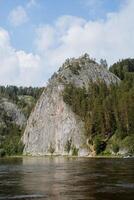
52 123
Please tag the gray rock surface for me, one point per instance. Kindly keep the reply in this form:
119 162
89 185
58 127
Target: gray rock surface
13 112
52 123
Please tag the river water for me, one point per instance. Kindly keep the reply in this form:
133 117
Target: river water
66 179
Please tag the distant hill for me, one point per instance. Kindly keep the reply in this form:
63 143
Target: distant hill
16 104
123 68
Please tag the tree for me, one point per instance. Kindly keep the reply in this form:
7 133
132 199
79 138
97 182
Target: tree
103 63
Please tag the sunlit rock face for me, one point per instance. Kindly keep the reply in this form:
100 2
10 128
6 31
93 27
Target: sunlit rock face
12 111
52 123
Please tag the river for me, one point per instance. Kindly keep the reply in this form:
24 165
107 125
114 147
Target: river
66 178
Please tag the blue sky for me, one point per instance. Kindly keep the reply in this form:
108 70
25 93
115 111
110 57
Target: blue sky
47 11
37 35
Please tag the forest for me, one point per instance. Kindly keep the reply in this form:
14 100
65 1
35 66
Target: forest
18 100
107 111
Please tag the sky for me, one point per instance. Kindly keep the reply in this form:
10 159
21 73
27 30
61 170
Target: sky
36 36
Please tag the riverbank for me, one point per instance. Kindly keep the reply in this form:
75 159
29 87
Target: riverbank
68 156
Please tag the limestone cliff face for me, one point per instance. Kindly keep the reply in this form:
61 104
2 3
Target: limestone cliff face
52 123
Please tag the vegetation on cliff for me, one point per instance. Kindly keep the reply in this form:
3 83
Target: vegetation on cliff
107 111
15 102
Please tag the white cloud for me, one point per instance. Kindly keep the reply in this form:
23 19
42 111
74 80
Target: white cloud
4 38
8 69
30 70
45 37
18 67
18 16
29 61
50 37
71 36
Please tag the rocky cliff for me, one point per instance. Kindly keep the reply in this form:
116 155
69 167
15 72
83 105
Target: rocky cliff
52 126
12 112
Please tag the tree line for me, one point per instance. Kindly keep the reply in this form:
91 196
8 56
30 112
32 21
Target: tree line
13 92
10 133
106 110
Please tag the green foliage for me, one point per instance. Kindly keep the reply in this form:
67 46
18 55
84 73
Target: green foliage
99 144
128 143
75 68
115 147
11 143
26 104
68 145
2 153
13 92
103 63
24 97
105 153
123 68
93 106
71 147
75 150
10 133
106 110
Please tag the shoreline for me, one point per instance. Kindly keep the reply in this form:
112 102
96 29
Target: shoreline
66 156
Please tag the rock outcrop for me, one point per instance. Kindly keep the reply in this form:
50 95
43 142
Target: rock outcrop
52 124
12 111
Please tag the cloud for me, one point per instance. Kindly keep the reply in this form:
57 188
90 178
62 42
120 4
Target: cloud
68 36
71 36
45 37
18 67
18 16
51 42
31 3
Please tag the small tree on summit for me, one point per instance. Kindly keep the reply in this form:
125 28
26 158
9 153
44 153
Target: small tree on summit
103 63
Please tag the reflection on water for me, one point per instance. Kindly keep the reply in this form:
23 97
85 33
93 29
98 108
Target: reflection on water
66 178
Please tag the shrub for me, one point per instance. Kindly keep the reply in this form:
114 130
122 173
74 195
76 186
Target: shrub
99 144
51 148
75 68
2 152
75 150
128 143
115 147
68 145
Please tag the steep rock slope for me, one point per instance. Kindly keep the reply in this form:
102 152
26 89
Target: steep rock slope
52 126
